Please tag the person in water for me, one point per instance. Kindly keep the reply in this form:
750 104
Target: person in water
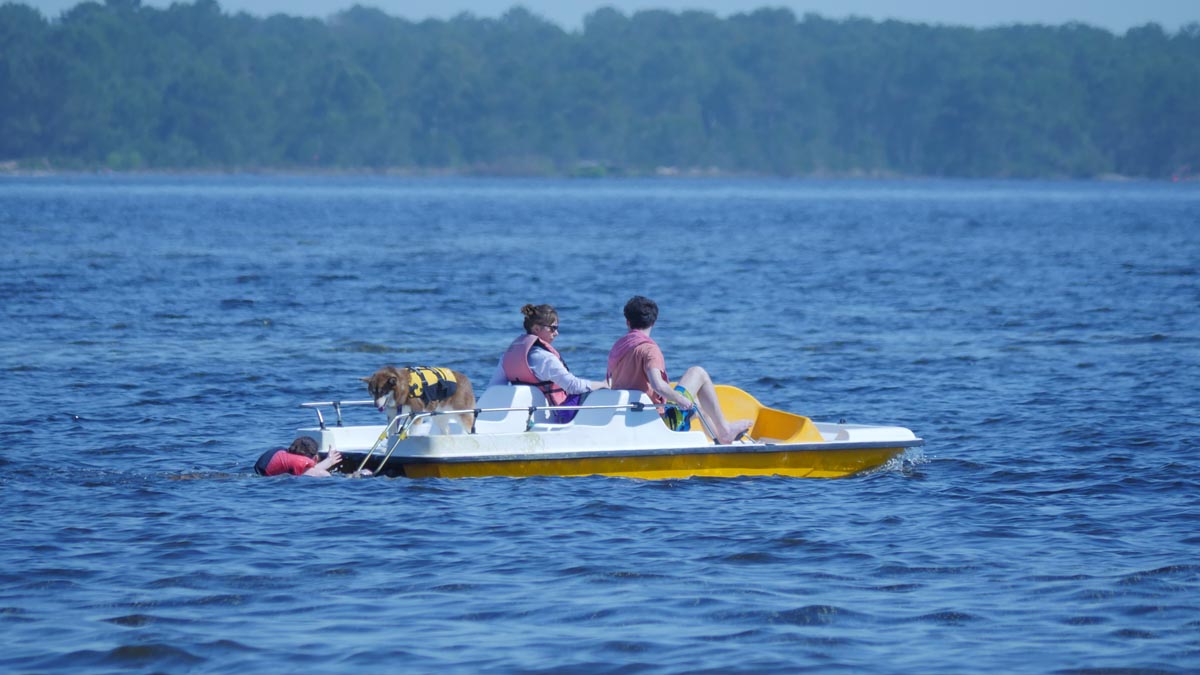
532 359
636 362
298 459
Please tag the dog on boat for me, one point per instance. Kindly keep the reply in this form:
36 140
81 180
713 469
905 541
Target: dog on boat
423 389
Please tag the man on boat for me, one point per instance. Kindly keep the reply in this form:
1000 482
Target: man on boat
636 362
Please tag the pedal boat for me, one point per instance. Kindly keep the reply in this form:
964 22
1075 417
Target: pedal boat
615 433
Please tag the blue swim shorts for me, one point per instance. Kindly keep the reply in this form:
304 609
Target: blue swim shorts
676 418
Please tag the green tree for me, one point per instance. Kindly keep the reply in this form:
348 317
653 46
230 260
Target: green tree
123 85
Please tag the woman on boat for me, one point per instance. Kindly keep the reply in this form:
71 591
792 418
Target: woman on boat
531 359
298 459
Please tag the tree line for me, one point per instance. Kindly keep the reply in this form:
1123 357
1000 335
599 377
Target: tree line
124 86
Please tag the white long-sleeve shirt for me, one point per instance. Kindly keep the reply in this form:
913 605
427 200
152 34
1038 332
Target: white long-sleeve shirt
547 367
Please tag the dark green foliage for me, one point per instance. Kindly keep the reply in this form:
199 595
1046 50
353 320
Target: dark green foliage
124 86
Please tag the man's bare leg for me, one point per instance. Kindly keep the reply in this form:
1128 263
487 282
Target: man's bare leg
697 381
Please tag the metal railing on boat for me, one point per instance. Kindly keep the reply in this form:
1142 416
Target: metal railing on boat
407 420
636 406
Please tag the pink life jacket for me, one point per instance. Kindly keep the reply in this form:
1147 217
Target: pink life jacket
517 370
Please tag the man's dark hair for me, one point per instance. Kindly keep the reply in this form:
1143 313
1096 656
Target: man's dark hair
641 312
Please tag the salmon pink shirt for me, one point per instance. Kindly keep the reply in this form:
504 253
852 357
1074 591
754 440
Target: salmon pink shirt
629 359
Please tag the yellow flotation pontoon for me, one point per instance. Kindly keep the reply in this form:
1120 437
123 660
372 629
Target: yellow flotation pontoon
616 433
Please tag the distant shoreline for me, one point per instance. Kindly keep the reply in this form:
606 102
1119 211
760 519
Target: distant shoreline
8 170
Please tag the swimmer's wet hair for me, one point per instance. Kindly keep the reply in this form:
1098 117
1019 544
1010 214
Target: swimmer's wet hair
305 446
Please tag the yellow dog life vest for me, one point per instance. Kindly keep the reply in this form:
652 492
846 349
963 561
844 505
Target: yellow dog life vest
431 384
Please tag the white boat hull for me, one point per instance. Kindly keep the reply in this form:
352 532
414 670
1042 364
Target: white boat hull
609 437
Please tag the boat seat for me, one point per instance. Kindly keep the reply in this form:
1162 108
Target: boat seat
507 396
603 417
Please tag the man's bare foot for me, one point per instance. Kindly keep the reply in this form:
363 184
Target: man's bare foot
734 430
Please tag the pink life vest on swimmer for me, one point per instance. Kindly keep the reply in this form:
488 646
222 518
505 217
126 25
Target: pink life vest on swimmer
517 370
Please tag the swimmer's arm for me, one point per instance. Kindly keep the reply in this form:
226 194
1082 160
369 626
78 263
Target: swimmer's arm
321 468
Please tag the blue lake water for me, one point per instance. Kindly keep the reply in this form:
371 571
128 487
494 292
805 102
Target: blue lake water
158 334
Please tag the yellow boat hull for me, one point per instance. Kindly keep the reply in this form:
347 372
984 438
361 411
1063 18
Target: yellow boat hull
796 463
